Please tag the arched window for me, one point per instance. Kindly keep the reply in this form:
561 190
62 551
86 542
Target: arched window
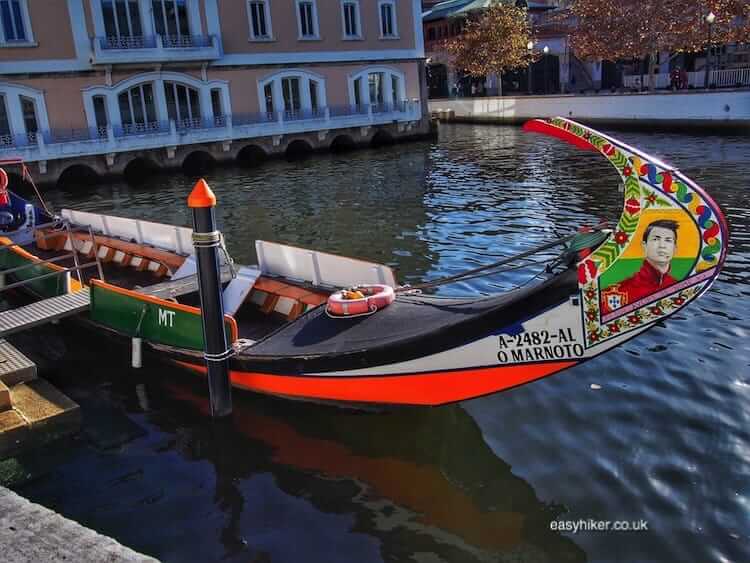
149 101
298 94
383 88
30 122
23 115
138 109
183 105
101 116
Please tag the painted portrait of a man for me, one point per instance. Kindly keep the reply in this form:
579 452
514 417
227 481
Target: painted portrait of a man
659 244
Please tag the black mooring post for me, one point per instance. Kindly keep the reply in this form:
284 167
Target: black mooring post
206 240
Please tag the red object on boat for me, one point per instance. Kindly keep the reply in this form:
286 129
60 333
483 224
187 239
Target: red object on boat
4 198
360 300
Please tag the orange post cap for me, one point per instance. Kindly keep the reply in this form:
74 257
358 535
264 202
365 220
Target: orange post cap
201 196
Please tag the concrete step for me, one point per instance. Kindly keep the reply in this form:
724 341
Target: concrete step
39 402
14 366
40 413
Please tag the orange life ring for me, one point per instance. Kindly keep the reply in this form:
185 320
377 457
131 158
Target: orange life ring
347 302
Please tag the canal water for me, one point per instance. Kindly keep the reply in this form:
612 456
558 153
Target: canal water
661 437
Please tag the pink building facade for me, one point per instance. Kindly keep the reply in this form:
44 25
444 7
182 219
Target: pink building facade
98 82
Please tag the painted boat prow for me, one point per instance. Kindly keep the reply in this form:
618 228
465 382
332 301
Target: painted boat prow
654 192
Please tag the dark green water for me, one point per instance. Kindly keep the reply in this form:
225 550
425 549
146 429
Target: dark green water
664 440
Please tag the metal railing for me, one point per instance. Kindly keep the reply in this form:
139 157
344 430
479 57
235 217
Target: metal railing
130 42
39 235
114 42
727 78
19 140
345 110
382 107
186 41
252 118
100 133
127 129
730 77
300 114
189 123
72 135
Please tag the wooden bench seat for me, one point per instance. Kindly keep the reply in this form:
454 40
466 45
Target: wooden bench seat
123 253
273 295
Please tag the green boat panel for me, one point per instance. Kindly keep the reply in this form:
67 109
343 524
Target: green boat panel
51 286
153 319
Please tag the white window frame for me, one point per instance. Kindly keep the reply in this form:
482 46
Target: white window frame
394 19
278 95
316 23
130 18
29 41
358 18
157 80
365 88
148 27
267 14
13 94
193 15
4 106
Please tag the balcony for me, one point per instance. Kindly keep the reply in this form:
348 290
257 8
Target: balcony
68 143
155 49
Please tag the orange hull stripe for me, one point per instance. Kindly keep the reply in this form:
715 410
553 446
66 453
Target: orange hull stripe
432 388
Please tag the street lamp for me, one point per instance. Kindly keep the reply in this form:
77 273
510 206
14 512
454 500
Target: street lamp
546 64
710 19
530 48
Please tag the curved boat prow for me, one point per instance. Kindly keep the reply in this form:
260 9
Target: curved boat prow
667 249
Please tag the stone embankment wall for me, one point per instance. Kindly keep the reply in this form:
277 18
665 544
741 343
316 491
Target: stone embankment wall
720 110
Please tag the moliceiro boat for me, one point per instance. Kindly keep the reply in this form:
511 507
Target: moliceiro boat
309 325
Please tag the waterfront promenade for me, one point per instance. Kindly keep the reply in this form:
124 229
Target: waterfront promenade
723 109
30 533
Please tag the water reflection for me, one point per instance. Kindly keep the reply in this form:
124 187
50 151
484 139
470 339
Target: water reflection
422 473
375 486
